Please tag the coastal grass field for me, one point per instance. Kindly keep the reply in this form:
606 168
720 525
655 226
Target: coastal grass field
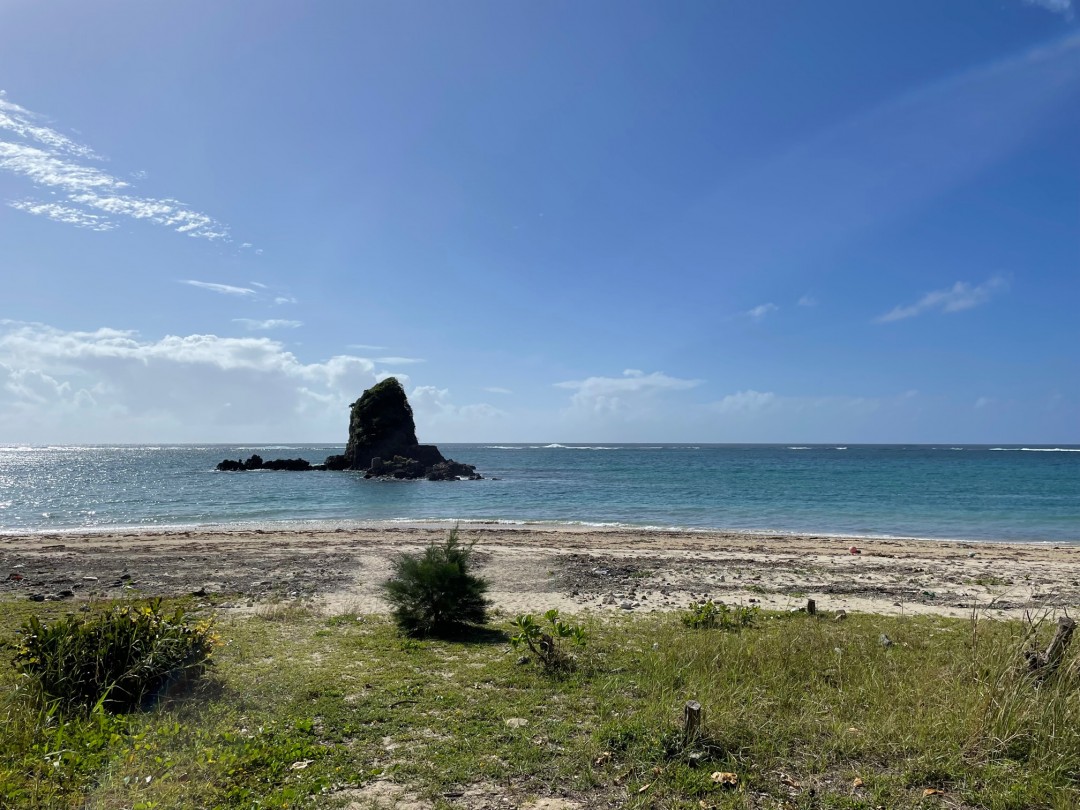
305 709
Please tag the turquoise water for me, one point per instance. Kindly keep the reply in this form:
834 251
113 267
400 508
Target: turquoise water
972 492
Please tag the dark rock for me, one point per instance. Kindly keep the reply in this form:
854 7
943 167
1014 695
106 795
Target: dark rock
37 597
382 443
292 464
452 471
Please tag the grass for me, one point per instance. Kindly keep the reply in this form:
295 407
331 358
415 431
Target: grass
304 709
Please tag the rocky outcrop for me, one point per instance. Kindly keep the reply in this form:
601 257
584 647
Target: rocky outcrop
402 467
256 463
382 440
382 443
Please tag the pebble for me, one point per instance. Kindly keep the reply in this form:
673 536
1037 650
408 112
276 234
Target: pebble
626 604
885 641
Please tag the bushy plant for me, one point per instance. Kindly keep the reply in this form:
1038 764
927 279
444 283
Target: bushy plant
433 593
118 660
548 640
709 615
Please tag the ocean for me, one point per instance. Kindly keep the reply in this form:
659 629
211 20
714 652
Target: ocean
1007 492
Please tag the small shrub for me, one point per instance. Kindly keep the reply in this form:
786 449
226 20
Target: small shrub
433 594
548 644
118 660
709 615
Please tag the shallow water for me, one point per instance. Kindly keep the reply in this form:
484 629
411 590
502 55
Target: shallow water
973 492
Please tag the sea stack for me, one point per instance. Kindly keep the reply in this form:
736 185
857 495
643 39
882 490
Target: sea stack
382 443
382 440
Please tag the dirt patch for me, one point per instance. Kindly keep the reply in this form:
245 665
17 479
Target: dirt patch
533 569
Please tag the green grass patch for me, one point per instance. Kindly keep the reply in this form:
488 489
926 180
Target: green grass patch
304 708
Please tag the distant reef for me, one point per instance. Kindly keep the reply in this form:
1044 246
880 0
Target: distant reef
382 443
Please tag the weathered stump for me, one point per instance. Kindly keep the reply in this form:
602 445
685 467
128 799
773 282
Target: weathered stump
1044 664
691 721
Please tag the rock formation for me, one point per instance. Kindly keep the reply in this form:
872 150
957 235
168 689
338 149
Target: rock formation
382 443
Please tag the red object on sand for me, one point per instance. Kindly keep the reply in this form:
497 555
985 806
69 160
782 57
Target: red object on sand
854 550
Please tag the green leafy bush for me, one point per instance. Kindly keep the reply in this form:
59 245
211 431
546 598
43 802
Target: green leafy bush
433 594
710 615
548 644
118 660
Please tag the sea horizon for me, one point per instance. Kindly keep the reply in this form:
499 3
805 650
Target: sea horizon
1018 492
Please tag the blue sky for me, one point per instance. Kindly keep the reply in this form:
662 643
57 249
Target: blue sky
720 221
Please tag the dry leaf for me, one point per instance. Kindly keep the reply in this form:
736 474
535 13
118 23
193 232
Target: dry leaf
787 780
858 783
300 765
643 788
933 792
853 730
725 778
657 770
603 759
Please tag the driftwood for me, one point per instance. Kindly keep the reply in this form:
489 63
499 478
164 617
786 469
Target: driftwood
691 721
1045 663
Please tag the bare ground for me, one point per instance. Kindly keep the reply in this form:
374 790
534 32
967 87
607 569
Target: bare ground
532 569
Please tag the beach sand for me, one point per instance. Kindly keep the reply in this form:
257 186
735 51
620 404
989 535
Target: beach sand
575 569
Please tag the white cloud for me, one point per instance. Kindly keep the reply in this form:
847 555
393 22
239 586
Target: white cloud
175 388
761 310
20 122
94 198
364 347
399 361
224 289
65 214
614 394
272 323
958 297
1062 7
434 409
748 401
494 389
983 402
808 301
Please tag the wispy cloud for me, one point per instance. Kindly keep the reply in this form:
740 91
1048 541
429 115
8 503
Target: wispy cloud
611 394
365 347
958 297
1062 7
399 361
761 310
808 301
224 289
65 214
94 199
263 326
748 401
495 389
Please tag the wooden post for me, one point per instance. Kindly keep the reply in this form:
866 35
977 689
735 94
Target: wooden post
691 721
1045 663
811 607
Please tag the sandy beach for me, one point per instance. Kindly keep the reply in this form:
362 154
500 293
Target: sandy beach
536 568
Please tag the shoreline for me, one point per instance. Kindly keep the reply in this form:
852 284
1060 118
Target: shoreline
534 567
444 524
